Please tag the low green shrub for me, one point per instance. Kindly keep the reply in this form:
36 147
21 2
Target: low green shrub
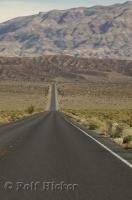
127 139
30 109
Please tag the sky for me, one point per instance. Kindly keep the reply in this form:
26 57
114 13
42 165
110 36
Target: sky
13 8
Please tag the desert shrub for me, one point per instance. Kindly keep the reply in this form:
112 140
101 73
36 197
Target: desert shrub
73 113
127 139
30 109
118 132
109 127
93 126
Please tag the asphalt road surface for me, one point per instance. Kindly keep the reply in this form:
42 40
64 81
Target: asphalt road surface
46 158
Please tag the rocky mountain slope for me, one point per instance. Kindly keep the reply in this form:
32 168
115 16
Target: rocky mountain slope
100 31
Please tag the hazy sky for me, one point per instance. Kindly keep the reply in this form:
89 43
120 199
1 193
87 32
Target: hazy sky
13 8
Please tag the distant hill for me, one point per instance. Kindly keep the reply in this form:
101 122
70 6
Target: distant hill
100 31
49 67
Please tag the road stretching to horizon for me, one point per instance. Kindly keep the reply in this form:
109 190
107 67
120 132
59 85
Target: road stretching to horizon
46 158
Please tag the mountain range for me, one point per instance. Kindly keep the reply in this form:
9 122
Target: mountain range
64 67
99 31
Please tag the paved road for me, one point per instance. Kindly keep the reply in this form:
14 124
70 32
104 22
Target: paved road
46 148
53 100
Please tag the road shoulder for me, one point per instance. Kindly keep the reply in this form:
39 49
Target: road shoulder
106 141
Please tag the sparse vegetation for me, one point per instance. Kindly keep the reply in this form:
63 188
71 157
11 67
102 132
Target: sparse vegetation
10 116
21 99
96 95
99 105
108 122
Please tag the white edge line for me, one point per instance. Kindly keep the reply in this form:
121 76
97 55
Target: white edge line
105 147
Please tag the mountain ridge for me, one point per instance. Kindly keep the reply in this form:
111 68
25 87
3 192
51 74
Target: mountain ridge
98 31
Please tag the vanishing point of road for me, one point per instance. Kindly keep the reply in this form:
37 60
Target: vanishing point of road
47 158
